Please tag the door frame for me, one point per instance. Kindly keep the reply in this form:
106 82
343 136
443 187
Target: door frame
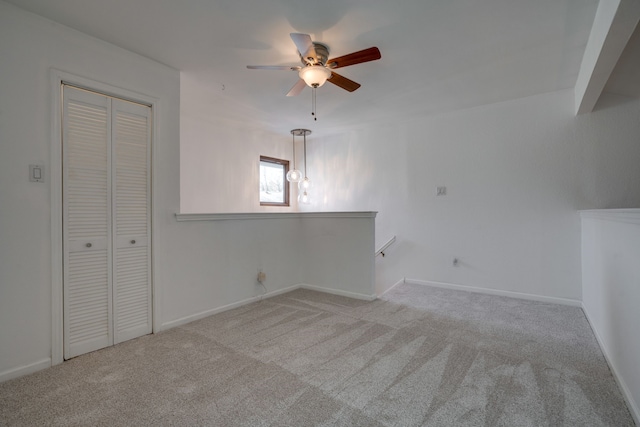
57 78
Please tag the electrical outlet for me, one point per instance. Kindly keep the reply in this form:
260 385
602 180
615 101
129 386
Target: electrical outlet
455 262
262 277
441 191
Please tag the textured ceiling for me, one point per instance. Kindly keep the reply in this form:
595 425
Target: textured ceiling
437 56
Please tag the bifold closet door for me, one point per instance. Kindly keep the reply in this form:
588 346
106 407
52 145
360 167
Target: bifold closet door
87 222
106 221
131 220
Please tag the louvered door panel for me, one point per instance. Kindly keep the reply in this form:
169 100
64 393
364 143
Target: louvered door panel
87 243
131 213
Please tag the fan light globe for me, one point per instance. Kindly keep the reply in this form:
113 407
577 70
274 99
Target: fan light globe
294 175
304 185
314 75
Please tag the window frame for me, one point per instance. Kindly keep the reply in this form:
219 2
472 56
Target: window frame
285 184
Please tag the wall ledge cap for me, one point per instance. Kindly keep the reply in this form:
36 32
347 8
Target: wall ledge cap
629 216
271 215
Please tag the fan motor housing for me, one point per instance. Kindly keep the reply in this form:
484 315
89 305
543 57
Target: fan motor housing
322 53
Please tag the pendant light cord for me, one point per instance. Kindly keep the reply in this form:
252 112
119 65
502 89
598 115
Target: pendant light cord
293 137
305 153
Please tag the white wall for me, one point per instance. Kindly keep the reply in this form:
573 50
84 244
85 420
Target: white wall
29 48
199 267
337 253
222 254
219 261
220 153
611 291
516 173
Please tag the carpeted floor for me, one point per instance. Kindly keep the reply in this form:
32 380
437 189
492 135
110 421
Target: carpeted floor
418 356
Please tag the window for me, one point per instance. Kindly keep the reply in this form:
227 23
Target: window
274 187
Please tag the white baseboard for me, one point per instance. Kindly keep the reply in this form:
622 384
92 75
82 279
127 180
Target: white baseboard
399 282
25 370
46 363
626 393
201 315
488 291
197 316
339 292
631 403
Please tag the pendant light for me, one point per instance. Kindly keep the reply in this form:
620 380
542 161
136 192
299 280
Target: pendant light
304 184
294 175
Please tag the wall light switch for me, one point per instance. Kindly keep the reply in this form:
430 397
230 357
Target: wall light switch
441 191
36 173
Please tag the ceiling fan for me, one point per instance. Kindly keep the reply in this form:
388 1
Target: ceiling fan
316 68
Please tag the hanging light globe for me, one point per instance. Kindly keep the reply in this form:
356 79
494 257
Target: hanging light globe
294 175
303 198
304 184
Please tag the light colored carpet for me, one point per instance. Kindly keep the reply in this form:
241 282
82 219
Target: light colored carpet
418 356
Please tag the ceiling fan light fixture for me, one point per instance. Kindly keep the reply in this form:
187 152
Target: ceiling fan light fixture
315 75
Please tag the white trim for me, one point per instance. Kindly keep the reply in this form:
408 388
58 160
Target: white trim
25 370
399 282
631 404
211 312
339 292
626 393
270 215
488 291
630 216
55 178
156 290
56 79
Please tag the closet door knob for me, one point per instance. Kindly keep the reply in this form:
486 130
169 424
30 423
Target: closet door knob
88 245
133 242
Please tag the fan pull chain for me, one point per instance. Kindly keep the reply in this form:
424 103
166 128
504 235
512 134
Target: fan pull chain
313 103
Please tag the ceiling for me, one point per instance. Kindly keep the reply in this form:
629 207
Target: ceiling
437 56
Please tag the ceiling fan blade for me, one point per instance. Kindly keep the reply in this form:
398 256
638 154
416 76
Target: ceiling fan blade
274 67
305 47
297 88
342 82
366 55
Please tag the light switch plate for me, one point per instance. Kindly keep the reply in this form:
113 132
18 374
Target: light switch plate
36 173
